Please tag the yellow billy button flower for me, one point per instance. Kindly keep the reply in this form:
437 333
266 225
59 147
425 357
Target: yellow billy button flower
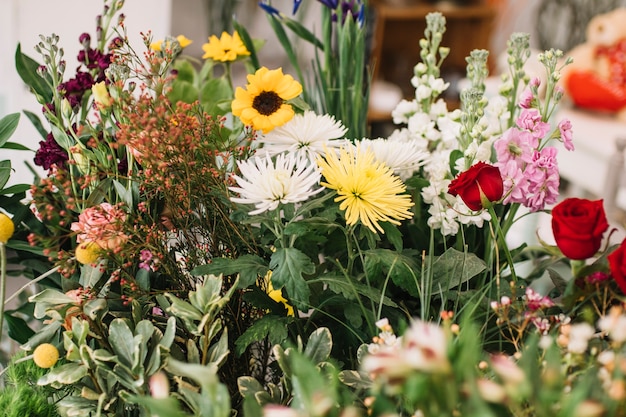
87 253
367 189
45 355
262 104
6 228
226 48
101 95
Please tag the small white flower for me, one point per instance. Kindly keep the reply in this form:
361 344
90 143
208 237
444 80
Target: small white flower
423 92
614 324
579 336
267 184
403 111
305 134
438 85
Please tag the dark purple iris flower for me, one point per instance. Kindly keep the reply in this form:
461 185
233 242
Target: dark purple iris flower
50 153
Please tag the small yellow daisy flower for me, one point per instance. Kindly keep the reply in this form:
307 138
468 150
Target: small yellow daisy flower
87 253
263 102
367 189
7 228
45 355
226 48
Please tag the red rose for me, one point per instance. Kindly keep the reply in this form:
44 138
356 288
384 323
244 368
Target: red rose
617 263
480 184
578 226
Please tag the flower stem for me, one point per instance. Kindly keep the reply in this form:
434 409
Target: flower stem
501 237
3 282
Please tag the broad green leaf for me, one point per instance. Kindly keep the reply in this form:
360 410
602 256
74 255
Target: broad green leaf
272 327
15 189
213 92
183 91
249 267
403 270
62 138
122 341
289 266
5 172
68 373
185 71
319 345
8 124
248 386
27 69
15 146
249 43
392 232
18 328
46 298
454 268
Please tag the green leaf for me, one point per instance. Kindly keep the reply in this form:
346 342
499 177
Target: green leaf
8 124
5 172
248 386
183 91
16 146
15 189
214 92
66 374
248 42
272 327
454 268
18 328
403 270
122 341
289 266
393 234
319 345
27 69
249 267
36 121
186 71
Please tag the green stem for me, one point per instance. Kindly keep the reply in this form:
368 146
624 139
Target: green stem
501 237
3 282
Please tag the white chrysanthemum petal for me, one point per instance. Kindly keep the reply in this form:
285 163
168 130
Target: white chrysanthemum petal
404 157
267 184
306 135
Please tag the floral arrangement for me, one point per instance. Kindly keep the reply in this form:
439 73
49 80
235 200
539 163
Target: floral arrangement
201 248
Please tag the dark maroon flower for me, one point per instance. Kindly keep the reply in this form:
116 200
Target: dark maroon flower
74 88
50 153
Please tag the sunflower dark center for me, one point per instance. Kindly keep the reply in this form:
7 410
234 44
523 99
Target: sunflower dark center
266 103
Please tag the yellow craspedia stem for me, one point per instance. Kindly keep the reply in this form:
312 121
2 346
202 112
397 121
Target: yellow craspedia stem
45 355
87 253
7 228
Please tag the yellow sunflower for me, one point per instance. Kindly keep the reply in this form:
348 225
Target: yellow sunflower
263 103
226 48
367 189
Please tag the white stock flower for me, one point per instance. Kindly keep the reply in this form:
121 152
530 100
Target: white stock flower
438 85
305 134
404 157
422 92
403 111
266 184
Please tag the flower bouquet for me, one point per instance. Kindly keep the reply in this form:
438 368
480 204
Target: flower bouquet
204 249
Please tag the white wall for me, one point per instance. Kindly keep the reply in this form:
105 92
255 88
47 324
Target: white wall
22 21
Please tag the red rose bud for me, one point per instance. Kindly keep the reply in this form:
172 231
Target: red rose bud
578 226
617 263
479 186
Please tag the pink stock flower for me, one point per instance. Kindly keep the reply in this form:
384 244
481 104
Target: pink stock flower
515 145
515 184
530 120
543 179
526 99
102 225
565 127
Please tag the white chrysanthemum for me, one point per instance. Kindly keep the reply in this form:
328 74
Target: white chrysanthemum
267 184
404 157
305 134
403 111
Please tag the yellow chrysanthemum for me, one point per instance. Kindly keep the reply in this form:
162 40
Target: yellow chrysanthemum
87 253
367 189
276 295
226 48
182 41
6 228
263 103
45 355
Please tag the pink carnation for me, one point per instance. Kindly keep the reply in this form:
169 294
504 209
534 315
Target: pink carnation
102 225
